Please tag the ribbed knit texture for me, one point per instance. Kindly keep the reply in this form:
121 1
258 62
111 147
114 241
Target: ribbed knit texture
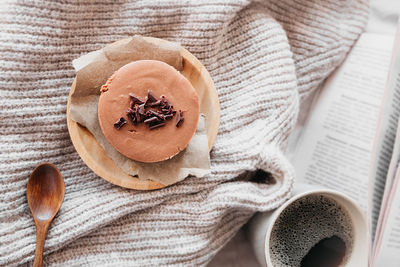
264 57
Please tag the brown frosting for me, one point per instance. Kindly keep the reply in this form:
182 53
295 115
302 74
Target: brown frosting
138 142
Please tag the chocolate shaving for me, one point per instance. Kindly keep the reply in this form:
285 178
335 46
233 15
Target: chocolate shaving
140 113
158 115
146 102
132 104
141 110
135 100
131 115
137 115
157 125
167 110
161 111
152 120
179 118
154 104
121 122
168 116
164 102
150 97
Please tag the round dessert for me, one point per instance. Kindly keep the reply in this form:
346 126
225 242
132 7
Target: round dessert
148 111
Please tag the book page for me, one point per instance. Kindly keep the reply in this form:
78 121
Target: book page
390 178
381 173
388 243
335 148
386 223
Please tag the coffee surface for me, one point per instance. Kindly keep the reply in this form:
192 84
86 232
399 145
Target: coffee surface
329 252
303 229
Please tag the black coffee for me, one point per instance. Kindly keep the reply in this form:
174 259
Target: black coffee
309 227
329 252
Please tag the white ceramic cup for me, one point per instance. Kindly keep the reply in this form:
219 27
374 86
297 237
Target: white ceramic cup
260 226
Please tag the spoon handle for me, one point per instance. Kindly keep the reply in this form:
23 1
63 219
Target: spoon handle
41 230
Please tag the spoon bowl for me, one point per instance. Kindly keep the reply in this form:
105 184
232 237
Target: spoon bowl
45 193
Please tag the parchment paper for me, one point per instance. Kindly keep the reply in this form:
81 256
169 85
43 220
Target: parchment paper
93 70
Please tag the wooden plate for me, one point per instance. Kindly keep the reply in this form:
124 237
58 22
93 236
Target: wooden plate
96 159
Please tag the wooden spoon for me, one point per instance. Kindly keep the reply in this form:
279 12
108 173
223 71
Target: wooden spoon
45 193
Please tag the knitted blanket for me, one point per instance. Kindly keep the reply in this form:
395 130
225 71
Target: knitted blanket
264 57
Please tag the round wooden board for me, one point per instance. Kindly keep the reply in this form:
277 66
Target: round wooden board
96 159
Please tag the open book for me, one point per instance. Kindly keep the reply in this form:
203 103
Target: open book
351 141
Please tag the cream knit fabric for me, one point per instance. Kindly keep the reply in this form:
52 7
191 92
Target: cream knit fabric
264 57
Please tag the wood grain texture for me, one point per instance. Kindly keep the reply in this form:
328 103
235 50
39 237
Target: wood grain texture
95 157
45 192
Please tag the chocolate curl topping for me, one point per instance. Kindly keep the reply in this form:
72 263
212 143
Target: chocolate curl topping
168 116
137 116
150 97
148 114
141 110
154 104
131 115
164 102
121 122
158 115
167 110
179 118
153 118
135 100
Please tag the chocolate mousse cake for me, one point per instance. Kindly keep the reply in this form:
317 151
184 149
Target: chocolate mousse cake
148 111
